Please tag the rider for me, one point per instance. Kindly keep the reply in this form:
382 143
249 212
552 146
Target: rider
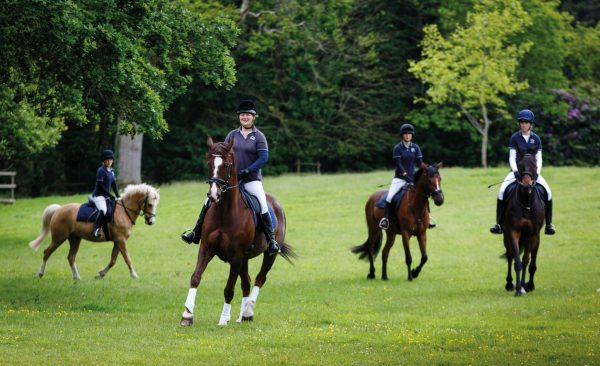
105 180
523 142
251 153
406 154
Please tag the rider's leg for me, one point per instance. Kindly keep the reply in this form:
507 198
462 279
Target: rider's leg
497 227
256 189
194 235
550 229
100 203
395 186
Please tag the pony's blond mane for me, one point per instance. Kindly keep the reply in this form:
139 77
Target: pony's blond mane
133 189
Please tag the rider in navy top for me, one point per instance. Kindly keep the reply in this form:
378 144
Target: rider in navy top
105 180
405 154
251 153
523 142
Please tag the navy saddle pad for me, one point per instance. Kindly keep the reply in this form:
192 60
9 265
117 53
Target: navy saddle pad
254 206
395 200
88 211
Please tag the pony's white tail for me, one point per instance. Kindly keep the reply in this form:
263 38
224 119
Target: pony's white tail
46 216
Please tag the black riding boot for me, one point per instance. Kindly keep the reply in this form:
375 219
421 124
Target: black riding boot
270 234
194 235
497 228
550 230
384 223
98 225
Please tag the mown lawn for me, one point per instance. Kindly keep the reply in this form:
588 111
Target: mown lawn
322 310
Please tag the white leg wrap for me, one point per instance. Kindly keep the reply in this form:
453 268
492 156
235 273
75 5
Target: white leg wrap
244 302
225 314
190 302
249 308
254 293
75 272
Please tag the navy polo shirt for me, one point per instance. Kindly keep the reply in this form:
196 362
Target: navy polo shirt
517 142
405 158
105 180
246 150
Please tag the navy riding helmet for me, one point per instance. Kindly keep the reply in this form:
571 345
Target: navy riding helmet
107 154
526 115
246 106
407 128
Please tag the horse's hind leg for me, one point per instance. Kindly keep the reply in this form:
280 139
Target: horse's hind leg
245 284
234 270
261 278
390 237
373 242
54 244
113 259
74 242
407 255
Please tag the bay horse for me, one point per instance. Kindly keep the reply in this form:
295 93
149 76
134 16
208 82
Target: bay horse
411 219
523 219
229 232
61 222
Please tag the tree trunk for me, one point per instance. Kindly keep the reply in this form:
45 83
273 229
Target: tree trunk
129 159
485 133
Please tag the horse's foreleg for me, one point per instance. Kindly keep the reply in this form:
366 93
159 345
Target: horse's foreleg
123 248
422 238
245 284
390 237
204 256
530 286
113 259
518 264
407 255
74 242
525 261
234 270
259 281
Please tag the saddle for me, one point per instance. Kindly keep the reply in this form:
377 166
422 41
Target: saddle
395 200
89 213
541 191
252 203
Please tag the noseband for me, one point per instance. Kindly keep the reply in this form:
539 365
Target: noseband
144 213
223 184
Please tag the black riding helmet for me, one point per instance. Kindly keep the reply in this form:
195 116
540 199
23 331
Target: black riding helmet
107 154
246 106
407 128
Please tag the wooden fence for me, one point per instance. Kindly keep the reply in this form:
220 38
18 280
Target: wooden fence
299 165
10 186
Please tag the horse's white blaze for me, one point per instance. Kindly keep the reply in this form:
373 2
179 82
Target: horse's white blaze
437 184
213 187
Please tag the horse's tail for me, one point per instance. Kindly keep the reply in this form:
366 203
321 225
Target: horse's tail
287 252
46 216
363 250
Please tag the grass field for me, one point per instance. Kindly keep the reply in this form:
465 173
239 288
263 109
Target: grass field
322 310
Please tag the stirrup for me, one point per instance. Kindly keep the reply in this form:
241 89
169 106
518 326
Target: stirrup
384 223
187 236
274 247
97 233
550 230
496 229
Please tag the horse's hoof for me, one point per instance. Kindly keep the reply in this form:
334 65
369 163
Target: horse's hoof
385 278
529 287
247 318
371 276
39 275
415 274
186 322
509 286
99 276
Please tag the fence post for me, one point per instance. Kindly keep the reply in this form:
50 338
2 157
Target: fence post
10 186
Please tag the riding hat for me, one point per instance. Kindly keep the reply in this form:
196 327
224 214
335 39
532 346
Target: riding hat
407 128
246 106
526 115
107 154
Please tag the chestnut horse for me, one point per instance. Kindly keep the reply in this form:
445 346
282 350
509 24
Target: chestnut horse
523 219
229 232
411 219
61 222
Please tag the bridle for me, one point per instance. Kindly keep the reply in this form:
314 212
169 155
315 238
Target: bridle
223 184
147 216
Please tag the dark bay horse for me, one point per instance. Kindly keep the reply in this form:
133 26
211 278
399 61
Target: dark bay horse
61 222
523 220
411 219
229 232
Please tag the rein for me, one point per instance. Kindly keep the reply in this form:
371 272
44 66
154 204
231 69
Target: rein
143 212
223 184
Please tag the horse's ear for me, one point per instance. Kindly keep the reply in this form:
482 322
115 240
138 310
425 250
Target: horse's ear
230 144
423 166
439 165
209 142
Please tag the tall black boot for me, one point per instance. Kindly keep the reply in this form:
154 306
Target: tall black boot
98 224
550 230
497 228
384 223
194 235
270 234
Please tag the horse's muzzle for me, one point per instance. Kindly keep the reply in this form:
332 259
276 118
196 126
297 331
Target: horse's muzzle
438 197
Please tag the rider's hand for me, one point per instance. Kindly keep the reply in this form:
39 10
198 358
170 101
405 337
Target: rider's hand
244 174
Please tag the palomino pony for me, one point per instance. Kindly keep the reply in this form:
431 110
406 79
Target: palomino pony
61 222
523 220
411 219
229 232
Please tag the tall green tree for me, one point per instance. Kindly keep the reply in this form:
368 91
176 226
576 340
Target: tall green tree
475 68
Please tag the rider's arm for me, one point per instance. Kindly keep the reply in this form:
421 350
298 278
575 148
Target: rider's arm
263 157
538 160
512 160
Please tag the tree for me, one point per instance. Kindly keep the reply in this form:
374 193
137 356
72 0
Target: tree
475 68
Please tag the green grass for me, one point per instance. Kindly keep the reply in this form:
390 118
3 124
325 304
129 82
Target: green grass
322 310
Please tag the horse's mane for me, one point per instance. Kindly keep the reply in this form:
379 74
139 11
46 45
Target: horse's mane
143 188
431 170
